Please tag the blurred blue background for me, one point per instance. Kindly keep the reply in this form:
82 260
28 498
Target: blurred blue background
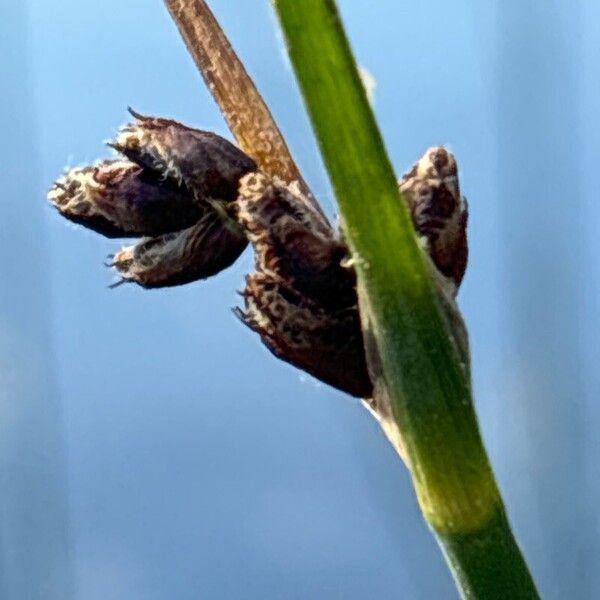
151 448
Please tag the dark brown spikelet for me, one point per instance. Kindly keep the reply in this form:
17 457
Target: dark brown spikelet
326 344
293 243
438 211
203 162
118 198
301 301
200 251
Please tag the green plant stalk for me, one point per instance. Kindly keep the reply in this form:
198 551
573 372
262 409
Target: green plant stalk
415 356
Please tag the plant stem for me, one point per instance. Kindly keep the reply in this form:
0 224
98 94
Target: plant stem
244 109
488 564
415 356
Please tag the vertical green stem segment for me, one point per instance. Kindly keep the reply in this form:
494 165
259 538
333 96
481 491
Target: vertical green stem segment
415 351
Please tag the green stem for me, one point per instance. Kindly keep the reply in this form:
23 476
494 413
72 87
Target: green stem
487 563
416 355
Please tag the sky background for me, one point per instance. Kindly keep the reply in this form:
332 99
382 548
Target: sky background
151 448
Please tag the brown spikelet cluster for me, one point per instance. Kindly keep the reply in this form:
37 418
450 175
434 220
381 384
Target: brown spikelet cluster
199 200
175 185
301 300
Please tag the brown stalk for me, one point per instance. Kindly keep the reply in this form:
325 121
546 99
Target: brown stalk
244 109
